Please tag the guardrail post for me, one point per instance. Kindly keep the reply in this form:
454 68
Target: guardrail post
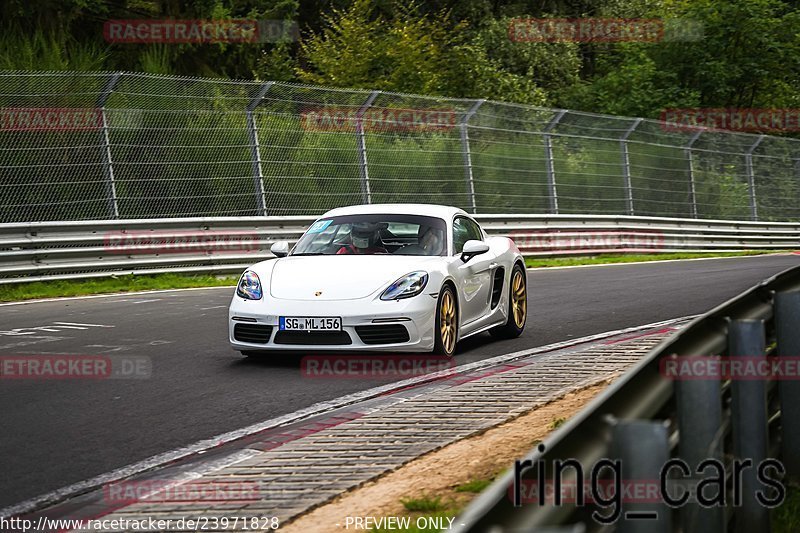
626 166
699 421
552 192
366 193
642 448
749 422
468 154
690 160
105 152
255 149
751 179
787 319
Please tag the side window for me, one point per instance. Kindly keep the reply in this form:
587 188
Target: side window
464 230
475 233
459 235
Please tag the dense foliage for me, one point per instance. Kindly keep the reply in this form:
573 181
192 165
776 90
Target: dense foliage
746 56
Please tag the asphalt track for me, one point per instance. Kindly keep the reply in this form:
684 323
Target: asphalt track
57 432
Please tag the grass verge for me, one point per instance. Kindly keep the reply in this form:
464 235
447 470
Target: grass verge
427 514
786 518
474 486
434 514
83 287
534 262
54 289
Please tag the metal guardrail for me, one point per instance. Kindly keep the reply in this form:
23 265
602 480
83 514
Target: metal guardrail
645 419
37 251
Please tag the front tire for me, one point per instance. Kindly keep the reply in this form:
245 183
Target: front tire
517 306
446 325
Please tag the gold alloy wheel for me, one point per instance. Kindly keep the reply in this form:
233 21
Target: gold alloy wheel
519 299
447 322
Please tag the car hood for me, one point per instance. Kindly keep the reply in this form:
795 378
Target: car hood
340 277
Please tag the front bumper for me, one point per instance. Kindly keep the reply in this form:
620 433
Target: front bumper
416 314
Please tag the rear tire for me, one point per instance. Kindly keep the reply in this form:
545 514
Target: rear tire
517 306
445 331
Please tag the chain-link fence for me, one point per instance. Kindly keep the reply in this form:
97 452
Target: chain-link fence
122 145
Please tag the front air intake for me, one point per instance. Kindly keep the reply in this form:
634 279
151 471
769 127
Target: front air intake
252 333
383 334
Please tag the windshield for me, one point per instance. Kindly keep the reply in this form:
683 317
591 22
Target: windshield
374 234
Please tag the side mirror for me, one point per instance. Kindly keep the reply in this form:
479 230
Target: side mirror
473 248
280 248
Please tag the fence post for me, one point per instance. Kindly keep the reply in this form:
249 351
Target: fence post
749 423
626 166
787 318
468 154
642 448
552 193
699 405
255 149
366 193
105 152
690 159
751 179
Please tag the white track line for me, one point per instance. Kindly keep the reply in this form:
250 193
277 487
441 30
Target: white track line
314 410
113 294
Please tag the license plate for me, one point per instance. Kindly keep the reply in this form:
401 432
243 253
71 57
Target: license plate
310 323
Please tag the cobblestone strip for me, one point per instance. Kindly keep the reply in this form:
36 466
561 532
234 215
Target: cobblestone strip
303 473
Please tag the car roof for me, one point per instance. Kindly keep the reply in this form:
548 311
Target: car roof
431 210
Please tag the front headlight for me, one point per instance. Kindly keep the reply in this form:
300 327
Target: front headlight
249 286
409 285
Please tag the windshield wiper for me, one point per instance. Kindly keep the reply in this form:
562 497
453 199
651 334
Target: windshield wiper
309 253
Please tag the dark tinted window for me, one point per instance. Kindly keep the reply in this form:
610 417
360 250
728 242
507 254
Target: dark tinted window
464 230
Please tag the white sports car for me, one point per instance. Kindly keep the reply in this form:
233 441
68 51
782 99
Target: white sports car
389 277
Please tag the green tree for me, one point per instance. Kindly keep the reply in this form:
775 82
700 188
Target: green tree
410 52
746 56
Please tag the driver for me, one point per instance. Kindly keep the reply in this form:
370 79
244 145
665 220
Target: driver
430 239
365 238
